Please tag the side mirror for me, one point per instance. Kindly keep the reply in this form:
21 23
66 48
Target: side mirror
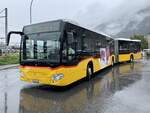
13 32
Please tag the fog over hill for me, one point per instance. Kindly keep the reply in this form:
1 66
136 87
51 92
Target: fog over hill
123 19
138 23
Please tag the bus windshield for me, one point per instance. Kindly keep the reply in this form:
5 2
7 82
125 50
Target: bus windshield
42 47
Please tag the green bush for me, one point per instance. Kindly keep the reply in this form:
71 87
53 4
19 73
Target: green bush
9 59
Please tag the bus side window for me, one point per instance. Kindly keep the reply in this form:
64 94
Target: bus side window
71 45
70 37
83 43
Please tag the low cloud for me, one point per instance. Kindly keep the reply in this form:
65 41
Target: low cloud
109 10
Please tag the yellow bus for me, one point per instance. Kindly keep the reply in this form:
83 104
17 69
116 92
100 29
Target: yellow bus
59 53
127 49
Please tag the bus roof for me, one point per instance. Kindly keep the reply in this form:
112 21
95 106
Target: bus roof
124 39
127 39
71 22
87 28
137 40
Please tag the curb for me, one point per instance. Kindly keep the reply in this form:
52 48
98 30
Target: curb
4 67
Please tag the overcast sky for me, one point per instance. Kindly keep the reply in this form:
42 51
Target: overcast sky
85 12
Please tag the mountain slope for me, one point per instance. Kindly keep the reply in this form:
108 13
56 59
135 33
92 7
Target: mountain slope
137 23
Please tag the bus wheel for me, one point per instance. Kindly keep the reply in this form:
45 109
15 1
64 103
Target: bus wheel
89 72
131 58
112 62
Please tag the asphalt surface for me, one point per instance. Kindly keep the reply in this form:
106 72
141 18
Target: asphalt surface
125 88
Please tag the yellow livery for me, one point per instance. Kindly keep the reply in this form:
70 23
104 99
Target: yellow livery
59 53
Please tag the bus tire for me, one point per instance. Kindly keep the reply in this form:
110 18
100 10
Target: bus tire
131 58
89 72
112 62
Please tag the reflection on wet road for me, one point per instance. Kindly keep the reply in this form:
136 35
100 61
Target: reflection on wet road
122 89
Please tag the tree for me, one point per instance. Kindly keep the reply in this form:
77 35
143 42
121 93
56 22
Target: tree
144 42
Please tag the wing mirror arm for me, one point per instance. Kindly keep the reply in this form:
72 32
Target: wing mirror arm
13 32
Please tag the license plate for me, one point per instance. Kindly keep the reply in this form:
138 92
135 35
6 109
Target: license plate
35 81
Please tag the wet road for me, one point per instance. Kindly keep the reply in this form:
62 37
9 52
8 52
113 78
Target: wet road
122 89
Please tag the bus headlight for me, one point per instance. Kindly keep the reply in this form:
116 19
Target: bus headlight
21 74
57 76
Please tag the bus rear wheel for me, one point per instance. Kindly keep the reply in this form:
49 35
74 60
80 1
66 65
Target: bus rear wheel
112 62
89 72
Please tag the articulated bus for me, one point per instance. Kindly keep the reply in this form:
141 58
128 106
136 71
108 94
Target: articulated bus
59 53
